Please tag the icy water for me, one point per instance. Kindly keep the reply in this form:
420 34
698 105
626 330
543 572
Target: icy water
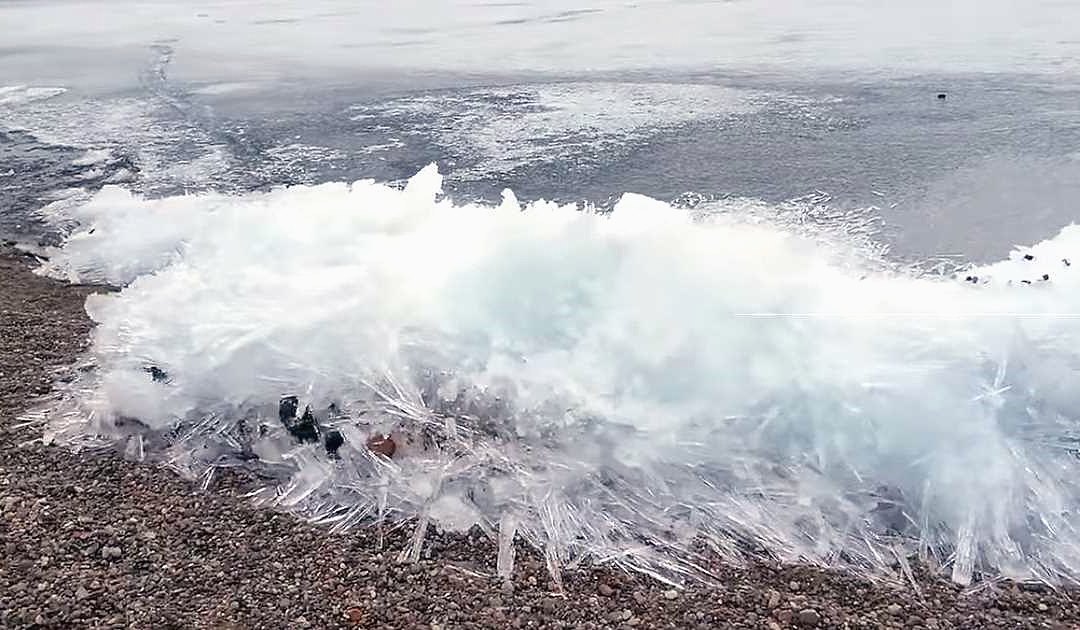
719 317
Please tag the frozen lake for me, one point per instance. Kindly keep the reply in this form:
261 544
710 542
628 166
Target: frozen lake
248 40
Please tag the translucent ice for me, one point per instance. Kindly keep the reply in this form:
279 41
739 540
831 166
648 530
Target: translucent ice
636 387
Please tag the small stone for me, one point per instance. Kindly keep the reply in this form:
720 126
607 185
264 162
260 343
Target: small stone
81 593
671 594
895 609
306 429
287 409
793 585
785 616
1043 607
111 553
382 445
333 441
157 374
507 587
809 617
774 599
605 590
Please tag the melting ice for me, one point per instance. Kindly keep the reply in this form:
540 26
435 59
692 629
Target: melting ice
638 387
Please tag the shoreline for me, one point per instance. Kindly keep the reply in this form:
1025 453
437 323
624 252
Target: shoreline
101 542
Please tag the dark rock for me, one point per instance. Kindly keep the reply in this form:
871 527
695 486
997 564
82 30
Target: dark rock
809 617
287 409
1046 276
333 441
1028 257
941 96
159 375
305 429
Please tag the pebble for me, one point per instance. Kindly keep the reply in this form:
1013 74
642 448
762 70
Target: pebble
671 594
895 610
605 590
111 553
773 600
809 617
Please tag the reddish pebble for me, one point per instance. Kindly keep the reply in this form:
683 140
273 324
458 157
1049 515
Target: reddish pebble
355 615
382 445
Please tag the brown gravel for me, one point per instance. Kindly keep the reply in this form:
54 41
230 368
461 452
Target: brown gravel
98 542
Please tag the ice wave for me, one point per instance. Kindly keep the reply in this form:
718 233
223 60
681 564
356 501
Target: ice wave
634 387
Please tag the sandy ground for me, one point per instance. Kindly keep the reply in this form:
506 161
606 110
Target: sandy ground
95 542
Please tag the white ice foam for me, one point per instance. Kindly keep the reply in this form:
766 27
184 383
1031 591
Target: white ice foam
597 381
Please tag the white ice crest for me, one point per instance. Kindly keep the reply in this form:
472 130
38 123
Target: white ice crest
588 382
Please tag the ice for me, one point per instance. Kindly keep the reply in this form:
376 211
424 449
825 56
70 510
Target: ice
510 127
639 387
94 157
233 41
15 95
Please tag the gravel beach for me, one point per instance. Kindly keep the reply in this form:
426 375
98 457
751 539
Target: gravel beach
95 542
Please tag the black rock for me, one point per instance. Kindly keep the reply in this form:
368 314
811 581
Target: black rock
1046 276
1025 281
159 375
306 429
333 441
1028 257
941 96
1066 261
287 409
